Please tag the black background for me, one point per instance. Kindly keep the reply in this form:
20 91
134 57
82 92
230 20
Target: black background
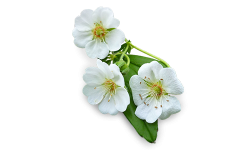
168 30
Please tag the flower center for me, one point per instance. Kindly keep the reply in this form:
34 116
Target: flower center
110 86
156 90
99 31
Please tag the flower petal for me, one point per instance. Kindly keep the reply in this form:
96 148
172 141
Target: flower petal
154 114
156 68
86 15
82 25
139 89
88 90
108 20
96 48
94 93
170 105
150 71
105 69
118 78
114 39
170 82
121 98
94 76
114 24
97 14
107 17
108 105
82 38
143 110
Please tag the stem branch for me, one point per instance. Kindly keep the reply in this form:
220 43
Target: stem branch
148 54
124 52
128 59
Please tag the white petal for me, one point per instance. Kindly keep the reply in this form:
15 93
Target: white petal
170 105
82 38
94 76
96 48
108 20
94 93
114 24
105 69
154 114
107 17
86 15
121 98
114 39
156 68
97 14
150 71
118 78
143 110
82 25
88 90
139 89
170 82
108 105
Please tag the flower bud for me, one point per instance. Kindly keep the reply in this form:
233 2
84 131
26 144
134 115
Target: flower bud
120 63
124 69
123 66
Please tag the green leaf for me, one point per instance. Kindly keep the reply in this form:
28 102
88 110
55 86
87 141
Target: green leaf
129 50
106 60
140 60
110 29
123 46
144 129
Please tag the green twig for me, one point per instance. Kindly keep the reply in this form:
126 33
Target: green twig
148 53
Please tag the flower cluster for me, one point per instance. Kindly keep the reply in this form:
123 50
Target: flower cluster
141 87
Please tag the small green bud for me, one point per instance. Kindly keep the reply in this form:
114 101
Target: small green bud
124 69
120 63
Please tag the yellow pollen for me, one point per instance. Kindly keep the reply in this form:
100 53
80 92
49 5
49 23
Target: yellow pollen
110 86
157 89
99 31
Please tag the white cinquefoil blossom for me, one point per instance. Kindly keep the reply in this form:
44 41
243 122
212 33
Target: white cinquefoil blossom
96 32
105 86
151 90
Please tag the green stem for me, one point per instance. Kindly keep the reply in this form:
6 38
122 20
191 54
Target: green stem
128 59
124 52
148 54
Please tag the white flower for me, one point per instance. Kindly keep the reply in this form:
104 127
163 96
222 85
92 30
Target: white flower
96 32
151 89
105 86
